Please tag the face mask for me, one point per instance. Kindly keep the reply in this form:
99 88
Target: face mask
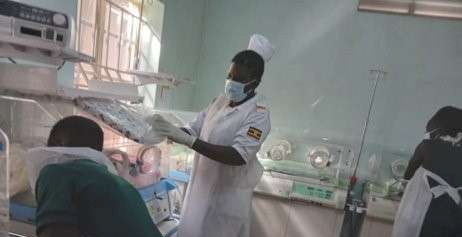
234 91
427 135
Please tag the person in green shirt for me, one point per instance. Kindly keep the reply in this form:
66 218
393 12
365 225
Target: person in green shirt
81 197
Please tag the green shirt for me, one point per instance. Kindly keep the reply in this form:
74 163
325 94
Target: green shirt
86 194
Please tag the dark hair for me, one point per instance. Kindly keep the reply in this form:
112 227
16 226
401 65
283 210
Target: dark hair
250 64
446 121
76 131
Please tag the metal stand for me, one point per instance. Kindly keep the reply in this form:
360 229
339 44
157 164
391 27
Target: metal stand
4 181
355 207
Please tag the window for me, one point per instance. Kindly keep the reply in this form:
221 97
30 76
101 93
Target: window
120 38
433 8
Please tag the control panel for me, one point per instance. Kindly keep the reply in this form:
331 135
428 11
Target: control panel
34 14
313 191
20 21
326 196
301 189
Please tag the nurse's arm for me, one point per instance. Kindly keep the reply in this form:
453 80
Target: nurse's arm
246 142
224 154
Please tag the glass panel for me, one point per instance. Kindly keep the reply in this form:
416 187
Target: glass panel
88 10
86 40
136 22
133 55
113 53
105 50
116 16
124 56
127 27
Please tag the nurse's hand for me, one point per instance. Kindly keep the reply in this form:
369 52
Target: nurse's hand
164 128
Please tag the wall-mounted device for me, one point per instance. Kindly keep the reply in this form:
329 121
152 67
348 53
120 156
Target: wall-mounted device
28 22
34 33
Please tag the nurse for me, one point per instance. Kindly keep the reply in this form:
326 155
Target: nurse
431 205
226 137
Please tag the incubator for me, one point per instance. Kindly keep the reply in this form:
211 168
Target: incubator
308 170
385 183
27 121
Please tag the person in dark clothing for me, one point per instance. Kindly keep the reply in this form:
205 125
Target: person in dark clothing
82 197
441 153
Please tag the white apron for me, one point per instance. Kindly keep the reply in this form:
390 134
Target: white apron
218 200
416 201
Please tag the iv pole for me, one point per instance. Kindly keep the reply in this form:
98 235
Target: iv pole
355 207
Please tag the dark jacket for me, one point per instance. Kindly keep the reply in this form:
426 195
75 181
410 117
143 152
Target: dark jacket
444 217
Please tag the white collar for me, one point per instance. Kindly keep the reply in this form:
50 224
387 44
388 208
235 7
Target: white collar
82 152
251 103
76 151
38 158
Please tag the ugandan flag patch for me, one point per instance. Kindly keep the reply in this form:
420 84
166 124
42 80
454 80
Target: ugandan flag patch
254 133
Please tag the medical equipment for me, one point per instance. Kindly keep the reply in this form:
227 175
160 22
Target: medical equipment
310 171
398 168
319 160
354 207
27 122
129 121
142 170
385 184
28 118
385 174
31 101
31 32
319 157
4 192
33 22
280 151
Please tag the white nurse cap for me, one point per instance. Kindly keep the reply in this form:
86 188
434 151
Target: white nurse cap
262 46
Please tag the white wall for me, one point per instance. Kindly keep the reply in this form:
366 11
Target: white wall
317 84
182 39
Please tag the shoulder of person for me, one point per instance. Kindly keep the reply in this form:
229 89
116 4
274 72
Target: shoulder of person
260 113
261 104
261 108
